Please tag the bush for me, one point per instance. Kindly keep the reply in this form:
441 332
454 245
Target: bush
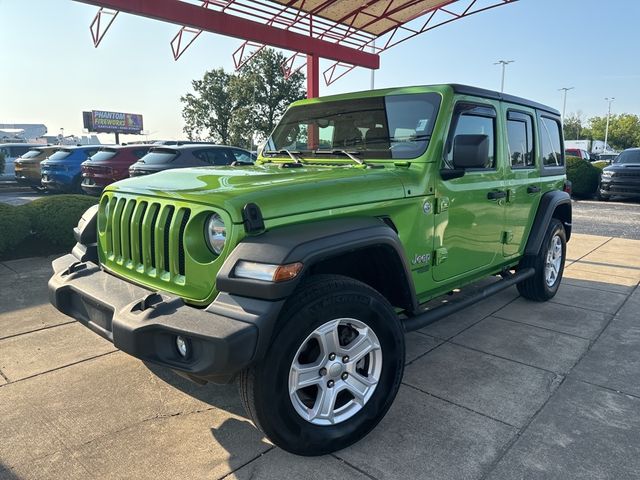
600 164
14 227
584 177
52 218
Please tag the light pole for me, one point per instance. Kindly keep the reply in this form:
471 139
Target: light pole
504 64
606 131
564 104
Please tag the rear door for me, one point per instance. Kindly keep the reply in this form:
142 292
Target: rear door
470 209
522 176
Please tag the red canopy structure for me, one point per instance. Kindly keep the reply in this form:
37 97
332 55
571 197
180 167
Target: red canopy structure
350 33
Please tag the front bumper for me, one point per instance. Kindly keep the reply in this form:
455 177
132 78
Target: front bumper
620 185
224 338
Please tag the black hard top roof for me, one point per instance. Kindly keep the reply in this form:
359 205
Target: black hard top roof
493 95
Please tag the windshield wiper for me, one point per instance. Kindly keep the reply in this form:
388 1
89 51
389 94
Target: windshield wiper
292 153
351 154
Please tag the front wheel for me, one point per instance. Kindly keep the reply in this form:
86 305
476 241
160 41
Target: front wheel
332 371
548 265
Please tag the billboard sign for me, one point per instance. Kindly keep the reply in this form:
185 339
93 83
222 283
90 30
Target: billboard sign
101 121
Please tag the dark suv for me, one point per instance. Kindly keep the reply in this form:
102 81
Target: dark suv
109 165
622 177
195 155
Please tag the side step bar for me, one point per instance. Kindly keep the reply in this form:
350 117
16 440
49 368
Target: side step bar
427 318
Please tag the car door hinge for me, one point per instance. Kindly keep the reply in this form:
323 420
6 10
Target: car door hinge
511 195
440 255
442 204
507 236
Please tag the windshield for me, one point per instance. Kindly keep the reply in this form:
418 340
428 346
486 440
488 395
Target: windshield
104 155
395 126
160 155
60 155
628 156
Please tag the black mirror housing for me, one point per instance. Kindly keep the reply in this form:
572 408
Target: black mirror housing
470 151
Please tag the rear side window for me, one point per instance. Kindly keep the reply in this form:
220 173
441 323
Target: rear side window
551 142
471 119
520 136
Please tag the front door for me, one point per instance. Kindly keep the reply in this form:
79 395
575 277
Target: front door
470 209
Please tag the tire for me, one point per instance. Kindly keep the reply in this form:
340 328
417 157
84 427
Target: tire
544 284
270 392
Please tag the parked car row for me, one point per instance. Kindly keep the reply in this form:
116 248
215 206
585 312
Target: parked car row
90 168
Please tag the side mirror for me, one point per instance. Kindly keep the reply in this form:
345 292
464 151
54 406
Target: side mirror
470 151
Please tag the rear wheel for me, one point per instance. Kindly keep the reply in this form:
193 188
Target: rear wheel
332 371
548 265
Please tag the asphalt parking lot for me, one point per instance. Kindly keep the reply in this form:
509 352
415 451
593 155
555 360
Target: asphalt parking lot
507 389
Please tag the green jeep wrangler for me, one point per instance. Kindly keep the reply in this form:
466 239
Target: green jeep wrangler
299 276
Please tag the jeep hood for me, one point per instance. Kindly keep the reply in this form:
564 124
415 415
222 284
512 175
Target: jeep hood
277 191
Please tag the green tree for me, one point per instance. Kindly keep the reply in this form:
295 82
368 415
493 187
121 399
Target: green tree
573 127
271 93
624 130
216 109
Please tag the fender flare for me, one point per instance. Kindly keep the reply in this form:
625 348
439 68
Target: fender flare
308 243
549 202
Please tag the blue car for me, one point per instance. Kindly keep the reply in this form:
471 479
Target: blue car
61 172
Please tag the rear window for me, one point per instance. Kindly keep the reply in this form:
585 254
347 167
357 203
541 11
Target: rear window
60 155
160 155
104 155
140 152
32 154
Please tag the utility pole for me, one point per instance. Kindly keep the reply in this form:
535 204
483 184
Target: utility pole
606 132
564 104
373 71
504 64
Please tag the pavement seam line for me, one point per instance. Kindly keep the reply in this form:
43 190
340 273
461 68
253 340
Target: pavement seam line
452 342
446 340
584 308
545 328
557 389
357 469
36 330
227 475
459 405
613 390
591 251
6 379
5 265
61 367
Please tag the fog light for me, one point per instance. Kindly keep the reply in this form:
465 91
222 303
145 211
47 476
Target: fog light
183 346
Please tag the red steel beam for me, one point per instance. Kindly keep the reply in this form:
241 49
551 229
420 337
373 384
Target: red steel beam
181 13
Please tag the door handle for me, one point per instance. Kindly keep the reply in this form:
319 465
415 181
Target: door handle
496 195
533 189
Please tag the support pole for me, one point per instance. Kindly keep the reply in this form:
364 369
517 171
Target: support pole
313 76
313 91
117 138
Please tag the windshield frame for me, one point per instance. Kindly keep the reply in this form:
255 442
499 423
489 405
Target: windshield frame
380 112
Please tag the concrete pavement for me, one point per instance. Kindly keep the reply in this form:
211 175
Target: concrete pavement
507 389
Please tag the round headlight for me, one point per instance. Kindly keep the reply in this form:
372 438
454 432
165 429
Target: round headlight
216 233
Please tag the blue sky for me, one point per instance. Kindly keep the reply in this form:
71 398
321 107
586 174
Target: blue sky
50 71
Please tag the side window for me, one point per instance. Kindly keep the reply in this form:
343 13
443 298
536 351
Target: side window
242 156
471 119
552 154
520 137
